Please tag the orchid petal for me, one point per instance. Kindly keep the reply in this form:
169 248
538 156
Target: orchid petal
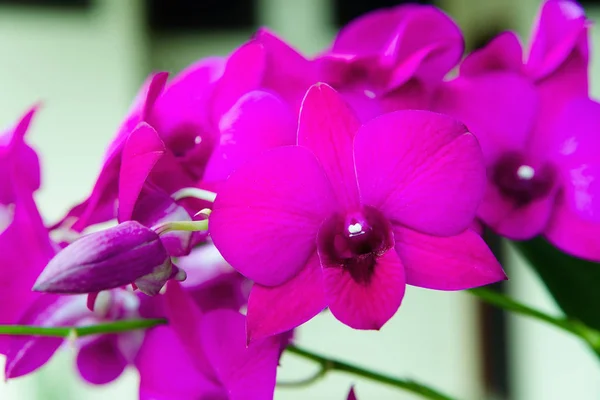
266 215
273 310
257 122
502 54
366 305
100 361
245 371
141 152
420 169
457 262
327 127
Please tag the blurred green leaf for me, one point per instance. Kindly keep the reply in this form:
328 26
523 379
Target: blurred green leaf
574 283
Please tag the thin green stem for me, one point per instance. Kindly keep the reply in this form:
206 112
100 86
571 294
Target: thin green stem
187 226
328 364
589 335
78 331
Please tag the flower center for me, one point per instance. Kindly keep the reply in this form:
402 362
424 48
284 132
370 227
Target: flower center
520 181
354 240
191 146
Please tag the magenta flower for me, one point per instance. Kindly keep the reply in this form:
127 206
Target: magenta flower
386 60
537 129
25 247
210 355
353 213
100 359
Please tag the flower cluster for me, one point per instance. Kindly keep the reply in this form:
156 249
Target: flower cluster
283 185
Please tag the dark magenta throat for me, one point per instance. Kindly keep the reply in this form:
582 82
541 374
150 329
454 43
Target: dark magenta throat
521 182
353 241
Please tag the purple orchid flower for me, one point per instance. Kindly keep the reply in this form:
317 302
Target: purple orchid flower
350 215
101 358
210 354
351 394
537 128
386 60
24 240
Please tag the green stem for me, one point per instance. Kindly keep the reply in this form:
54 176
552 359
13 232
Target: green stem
328 364
78 331
589 335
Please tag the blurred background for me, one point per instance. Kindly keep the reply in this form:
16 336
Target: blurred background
85 59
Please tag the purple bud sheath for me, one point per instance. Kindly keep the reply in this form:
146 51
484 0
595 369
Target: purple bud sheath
105 260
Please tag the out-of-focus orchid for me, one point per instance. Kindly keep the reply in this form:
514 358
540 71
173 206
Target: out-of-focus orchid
351 214
537 129
386 60
210 352
25 247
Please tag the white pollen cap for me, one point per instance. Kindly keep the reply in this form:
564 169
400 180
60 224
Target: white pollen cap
525 172
355 228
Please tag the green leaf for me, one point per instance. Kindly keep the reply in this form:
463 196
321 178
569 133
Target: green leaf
574 283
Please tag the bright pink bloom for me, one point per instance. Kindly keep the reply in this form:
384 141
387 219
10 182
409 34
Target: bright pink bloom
386 60
25 247
537 129
353 213
205 355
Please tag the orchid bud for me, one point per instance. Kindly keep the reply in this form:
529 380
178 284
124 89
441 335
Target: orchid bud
103 260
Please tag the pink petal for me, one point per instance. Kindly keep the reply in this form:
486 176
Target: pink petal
457 262
167 371
561 31
420 169
28 353
502 54
186 96
499 108
430 44
327 127
141 152
257 122
267 214
247 372
351 394
185 318
100 361
572 147
511 220
243 72
366 305
287 72
573 234
25 249
273 310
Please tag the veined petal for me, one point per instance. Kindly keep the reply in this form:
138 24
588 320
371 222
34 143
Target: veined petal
457 262
273 310
366 305
103 260
502 54
167 371
266 215
141 152
245 371
420 169
100 361
257 122
28 353
327 127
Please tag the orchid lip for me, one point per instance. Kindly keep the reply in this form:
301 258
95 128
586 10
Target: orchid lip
521 181
354 241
